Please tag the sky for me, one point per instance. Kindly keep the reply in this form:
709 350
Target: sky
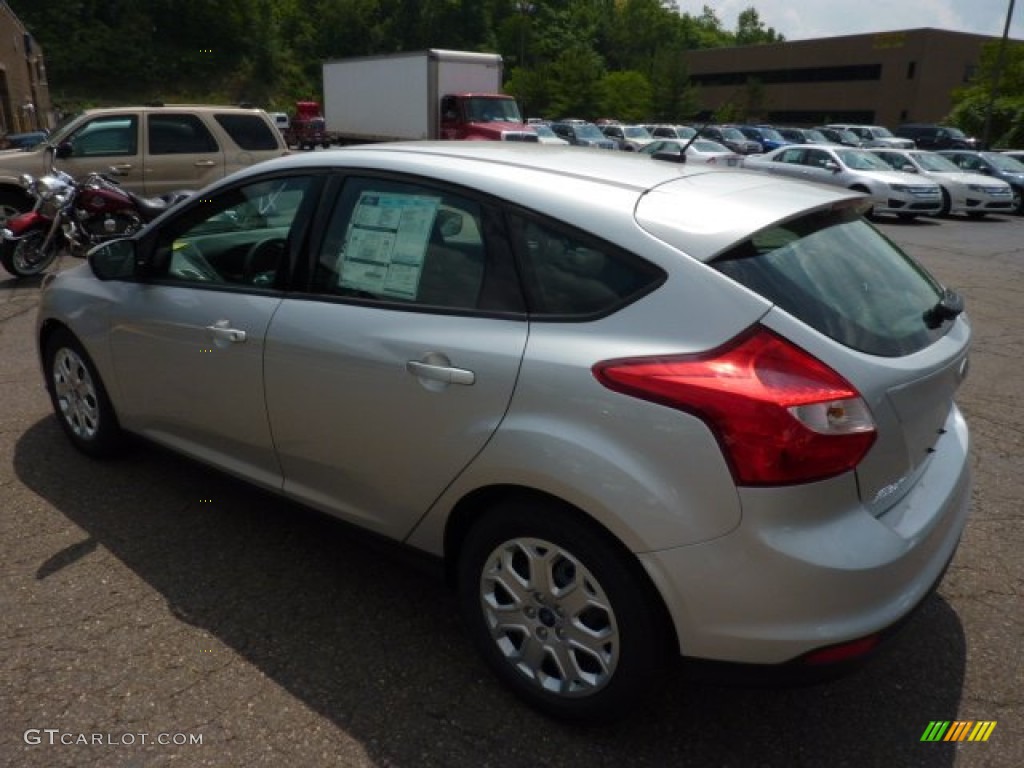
802 19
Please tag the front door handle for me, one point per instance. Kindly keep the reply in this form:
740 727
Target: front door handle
445 374
221 331
204 164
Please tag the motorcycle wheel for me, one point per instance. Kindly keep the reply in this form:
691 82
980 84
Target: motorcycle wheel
26 257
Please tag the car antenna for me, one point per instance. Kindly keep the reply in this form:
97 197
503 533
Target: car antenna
705 118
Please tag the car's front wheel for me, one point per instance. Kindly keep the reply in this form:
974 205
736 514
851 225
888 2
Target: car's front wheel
79 398
561 613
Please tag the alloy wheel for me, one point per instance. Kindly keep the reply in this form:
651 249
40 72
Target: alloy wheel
549 617
76 394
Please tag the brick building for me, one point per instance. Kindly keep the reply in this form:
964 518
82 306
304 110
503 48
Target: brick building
886 78
24 93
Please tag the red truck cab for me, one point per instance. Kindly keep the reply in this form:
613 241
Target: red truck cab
483 117
307 129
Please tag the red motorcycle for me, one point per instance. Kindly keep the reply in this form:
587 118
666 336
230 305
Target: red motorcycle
73 216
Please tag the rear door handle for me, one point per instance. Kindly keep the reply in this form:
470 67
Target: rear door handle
443 373
222 331
204 163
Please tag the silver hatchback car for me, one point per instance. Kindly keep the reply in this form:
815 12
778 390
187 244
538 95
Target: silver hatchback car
640 410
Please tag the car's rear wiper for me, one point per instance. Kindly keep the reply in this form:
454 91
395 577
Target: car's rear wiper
949 306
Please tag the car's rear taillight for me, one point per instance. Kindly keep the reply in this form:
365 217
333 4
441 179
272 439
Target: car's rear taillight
780 415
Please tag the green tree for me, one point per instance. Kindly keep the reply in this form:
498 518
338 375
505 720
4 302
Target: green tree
750 30
976 105
625 95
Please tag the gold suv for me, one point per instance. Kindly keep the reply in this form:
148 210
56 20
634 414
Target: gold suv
151 150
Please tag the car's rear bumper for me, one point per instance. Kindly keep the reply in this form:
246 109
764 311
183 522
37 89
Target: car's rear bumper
794 578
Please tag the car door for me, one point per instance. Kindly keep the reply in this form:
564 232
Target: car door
819 165
187 341
391 375
789 162
181 153
110 144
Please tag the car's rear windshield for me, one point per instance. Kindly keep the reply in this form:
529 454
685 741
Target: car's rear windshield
838 274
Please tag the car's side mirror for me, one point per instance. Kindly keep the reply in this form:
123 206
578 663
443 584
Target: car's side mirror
908 168
114 260
64 150
832 166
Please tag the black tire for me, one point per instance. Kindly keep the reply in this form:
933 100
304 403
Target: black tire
1018 201
79 398
593 660
24 257
946 203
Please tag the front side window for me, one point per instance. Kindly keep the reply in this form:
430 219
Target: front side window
239 237
111 136
835 272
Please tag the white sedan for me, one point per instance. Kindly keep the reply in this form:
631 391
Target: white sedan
962 192
892 192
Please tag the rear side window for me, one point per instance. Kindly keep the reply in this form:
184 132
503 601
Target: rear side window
838 274
249 132
571 275
179 134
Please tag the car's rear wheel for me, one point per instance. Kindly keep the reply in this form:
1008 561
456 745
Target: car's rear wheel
78 396
562 614
1018 201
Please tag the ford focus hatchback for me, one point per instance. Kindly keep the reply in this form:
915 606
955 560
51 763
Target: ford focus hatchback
640 410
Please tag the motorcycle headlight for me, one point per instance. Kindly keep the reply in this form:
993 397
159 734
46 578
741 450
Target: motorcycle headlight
49 187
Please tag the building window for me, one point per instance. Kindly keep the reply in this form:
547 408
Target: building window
838 74
911 70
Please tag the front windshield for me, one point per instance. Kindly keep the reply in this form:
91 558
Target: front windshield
937 163
733 134
771 134
1004 162
543 130
816 136
488 109
859 160
590 131
59 134
880 133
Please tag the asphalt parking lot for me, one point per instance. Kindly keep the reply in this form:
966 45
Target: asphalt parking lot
156 613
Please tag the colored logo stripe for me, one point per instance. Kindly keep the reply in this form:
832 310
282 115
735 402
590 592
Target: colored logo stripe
958 730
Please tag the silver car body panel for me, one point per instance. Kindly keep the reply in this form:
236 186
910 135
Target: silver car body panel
335 371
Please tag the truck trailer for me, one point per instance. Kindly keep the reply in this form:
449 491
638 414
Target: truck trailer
433 94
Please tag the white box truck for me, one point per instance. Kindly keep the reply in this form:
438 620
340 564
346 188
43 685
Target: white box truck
433 94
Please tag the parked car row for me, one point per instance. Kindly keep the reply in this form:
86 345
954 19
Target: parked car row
907 182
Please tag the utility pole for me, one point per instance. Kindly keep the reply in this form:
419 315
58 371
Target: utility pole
996 72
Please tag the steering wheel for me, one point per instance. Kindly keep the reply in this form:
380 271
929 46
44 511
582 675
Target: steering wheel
263 260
